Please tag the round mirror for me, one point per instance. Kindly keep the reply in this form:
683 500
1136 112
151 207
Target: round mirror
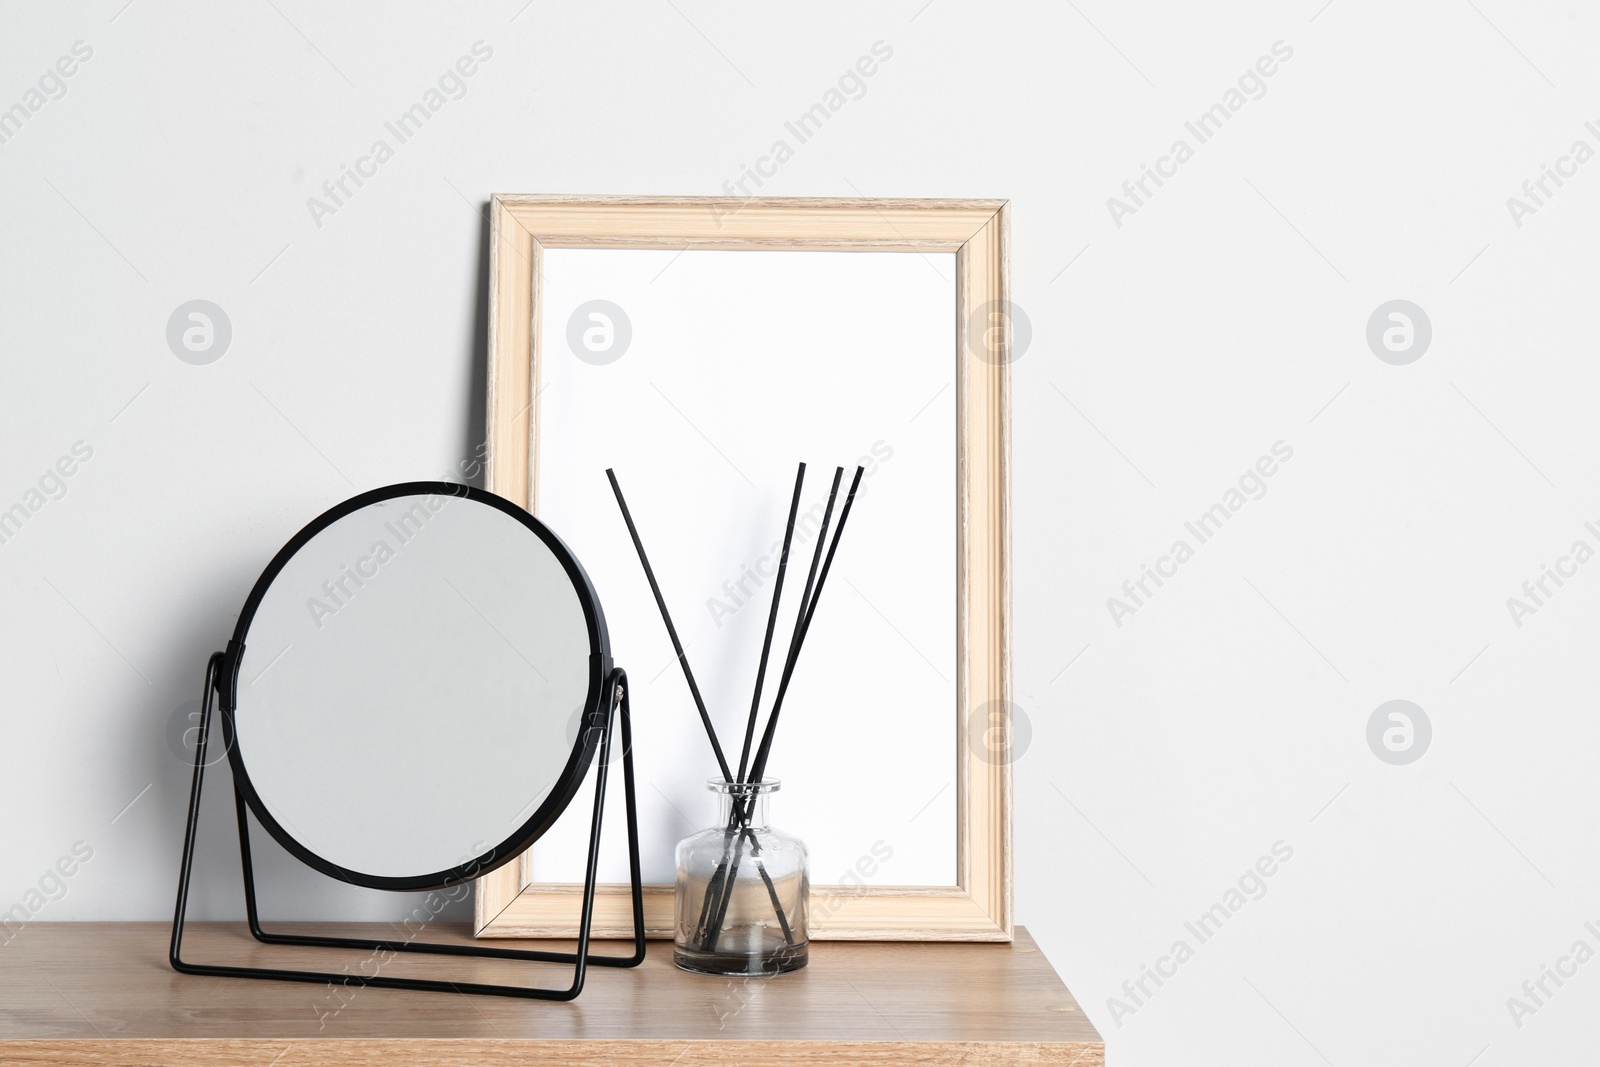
408 676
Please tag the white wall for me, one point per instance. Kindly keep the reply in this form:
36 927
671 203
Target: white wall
1168 353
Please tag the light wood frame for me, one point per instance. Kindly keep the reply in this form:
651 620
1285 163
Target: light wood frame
509 902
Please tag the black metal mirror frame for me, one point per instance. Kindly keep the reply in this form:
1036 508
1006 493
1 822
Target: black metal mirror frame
607 707
583 747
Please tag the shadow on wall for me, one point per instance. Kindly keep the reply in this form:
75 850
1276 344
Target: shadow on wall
471 469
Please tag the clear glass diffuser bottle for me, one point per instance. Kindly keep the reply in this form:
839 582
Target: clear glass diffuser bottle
743 890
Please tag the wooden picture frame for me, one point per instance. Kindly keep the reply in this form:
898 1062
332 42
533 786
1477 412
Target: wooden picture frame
509 903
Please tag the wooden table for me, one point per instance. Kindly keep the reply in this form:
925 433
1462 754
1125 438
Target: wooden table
102 994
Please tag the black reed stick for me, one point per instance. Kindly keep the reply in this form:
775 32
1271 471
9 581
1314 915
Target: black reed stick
719 890
694 689
720 886
760 767
672 632
816 558
802 626
772 622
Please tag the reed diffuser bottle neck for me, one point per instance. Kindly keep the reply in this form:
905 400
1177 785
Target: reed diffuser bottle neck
743 804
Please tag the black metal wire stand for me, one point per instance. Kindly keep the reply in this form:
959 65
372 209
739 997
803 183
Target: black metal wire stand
614 699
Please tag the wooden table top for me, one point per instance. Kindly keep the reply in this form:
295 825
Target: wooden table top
103 994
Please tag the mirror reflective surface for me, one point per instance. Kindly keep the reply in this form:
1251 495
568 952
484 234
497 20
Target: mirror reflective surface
411 686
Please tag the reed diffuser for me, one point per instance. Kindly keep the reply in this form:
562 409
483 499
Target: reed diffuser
730 921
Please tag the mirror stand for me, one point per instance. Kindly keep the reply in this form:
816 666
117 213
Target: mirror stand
614 699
